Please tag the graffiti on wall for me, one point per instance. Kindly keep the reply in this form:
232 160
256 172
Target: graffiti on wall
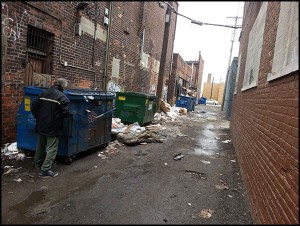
11 27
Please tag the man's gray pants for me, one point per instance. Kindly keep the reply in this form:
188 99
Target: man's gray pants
46 148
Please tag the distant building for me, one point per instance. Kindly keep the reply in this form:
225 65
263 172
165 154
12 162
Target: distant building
181 74
187 73
213 89
197 74
230 87
265 110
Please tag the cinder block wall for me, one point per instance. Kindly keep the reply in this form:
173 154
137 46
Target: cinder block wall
264 127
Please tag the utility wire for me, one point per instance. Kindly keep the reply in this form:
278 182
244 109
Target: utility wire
199 22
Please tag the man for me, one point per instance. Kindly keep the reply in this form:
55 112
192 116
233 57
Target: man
49 109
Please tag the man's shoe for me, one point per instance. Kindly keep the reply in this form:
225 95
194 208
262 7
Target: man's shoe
47 174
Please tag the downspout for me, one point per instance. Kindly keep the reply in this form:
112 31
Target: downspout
143 29
104 85
94 41
142 45
171 64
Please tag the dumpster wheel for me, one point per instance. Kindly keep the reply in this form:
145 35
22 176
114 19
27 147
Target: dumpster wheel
68 160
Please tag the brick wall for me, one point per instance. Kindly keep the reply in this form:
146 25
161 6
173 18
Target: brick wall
264 127
85 57
197 74
180 69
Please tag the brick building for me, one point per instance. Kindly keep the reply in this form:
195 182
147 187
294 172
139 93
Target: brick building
197 74
187 73
99 45
181 73
265 110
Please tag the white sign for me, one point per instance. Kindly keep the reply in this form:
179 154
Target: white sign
113 87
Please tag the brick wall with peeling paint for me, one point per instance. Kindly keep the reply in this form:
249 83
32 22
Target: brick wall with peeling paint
265 128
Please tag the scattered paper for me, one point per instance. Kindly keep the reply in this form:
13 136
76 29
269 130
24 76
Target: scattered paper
226 141
205 162
206 213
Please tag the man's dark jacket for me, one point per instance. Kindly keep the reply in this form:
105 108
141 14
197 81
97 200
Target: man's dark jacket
49 109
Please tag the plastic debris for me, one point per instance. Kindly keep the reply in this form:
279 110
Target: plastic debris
226 141
205 162
178 157
222 186
18 180
102 156
166 164
12 170
206 213
232 160
13 148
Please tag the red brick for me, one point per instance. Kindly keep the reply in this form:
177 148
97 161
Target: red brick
264 127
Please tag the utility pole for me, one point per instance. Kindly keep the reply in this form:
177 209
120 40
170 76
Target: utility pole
163 57
229 61
211 88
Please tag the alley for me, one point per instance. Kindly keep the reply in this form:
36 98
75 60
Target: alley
139 184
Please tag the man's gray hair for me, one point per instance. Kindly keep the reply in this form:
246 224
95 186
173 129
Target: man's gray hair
61 82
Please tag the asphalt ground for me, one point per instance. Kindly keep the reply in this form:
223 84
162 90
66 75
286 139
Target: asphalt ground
138 184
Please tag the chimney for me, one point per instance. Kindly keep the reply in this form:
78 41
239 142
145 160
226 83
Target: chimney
209 78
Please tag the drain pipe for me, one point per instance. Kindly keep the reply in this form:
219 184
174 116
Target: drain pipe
104 85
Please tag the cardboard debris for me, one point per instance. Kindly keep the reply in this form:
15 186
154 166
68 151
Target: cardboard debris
182 111
206 213
165 107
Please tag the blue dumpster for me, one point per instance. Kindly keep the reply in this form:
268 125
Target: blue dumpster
185 102
202 100
88 124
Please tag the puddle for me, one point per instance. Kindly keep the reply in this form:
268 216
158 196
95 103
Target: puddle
34 198
24 208
199 151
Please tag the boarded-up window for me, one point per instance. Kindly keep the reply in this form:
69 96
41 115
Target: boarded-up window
286 53
115 68
144 61
39 53
254 49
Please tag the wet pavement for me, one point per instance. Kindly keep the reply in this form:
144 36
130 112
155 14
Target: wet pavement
139 184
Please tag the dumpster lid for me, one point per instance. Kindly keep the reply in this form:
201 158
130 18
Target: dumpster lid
138 94
75 92
85 92
30 89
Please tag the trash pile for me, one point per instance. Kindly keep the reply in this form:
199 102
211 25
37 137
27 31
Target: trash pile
10 151
153 133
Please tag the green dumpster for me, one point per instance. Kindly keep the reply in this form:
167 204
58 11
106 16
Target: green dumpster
133 107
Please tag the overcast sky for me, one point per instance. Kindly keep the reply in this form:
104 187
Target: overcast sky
214 42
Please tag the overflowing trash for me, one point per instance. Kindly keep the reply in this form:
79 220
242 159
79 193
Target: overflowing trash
152 133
